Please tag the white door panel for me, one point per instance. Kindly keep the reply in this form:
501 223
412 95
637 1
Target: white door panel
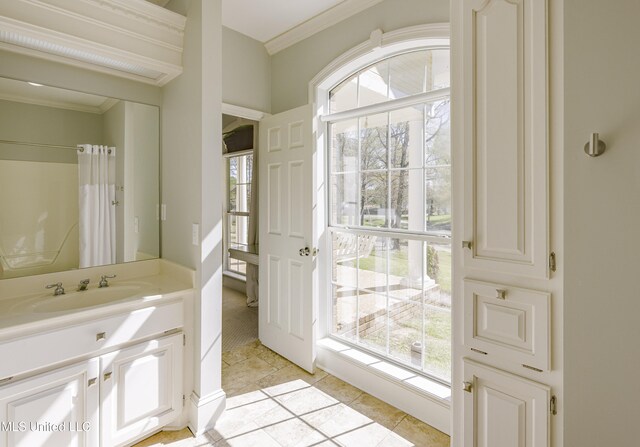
287 299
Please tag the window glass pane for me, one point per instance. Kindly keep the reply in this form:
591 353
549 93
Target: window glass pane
437 134
438 200
407 74
344 96
374 142
407 199
406 137
437 69
344 199
249 167
345 305
372 263
373 84
373 193
344 258
437 298
372 320
344 146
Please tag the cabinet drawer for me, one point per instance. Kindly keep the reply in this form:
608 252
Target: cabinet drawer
507 323
44 349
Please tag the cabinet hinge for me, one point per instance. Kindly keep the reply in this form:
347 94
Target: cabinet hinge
184 339
553 405
552 261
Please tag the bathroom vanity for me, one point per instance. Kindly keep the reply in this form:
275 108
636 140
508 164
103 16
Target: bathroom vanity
100 367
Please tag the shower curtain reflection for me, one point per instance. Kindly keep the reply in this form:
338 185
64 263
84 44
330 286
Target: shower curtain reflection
96 206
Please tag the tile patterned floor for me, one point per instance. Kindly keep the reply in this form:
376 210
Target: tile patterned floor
273 403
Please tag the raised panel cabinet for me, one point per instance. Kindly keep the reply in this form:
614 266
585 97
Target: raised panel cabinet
505 136
508 323
140 389
504 410
57 408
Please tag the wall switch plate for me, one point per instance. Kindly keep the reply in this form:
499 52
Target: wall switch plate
195 234
136 225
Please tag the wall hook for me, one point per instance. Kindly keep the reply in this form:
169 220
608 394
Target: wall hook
595 146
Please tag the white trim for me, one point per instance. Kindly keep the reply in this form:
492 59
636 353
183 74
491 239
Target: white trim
205 411
388 106
51 103
360 56
414 400
133 39
242 112
314 25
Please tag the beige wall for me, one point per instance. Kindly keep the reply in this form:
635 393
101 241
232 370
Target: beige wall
246 71
602 248
294 67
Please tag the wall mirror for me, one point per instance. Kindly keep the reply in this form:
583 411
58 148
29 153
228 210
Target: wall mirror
79 180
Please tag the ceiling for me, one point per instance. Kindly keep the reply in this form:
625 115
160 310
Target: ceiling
264 20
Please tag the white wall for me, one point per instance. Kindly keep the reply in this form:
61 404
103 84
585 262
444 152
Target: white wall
294 67
246 71
192 160
602 247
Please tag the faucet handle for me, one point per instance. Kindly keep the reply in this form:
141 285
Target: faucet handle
83 285
103 280
59 289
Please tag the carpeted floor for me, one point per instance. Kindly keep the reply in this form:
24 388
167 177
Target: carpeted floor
239 322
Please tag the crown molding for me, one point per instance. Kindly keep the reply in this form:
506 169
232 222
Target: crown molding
318 23
133 39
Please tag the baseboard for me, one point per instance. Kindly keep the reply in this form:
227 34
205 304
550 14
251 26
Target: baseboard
205 411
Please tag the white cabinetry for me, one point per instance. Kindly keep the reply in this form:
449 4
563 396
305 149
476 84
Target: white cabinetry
57 408
503 274
504 410
140 389
505 136
126 382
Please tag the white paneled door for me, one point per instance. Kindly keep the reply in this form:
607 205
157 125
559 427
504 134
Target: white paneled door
287 253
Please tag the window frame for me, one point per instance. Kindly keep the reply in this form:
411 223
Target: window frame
227 213
425 37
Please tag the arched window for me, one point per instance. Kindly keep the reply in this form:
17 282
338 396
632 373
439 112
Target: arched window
386 132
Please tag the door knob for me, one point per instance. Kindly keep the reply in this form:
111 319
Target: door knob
305 251
467 386
466 244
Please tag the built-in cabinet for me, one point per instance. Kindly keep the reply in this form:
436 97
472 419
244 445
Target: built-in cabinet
506 261
129 385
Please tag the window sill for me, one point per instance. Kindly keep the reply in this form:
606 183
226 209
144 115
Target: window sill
234 275
425 399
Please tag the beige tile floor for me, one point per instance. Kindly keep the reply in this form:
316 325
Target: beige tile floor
273 403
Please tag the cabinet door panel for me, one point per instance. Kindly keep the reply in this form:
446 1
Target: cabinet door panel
507 322
505 116
140 389
504 410
55 408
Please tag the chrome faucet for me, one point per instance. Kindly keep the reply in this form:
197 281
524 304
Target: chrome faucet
104 282
59 289
83 285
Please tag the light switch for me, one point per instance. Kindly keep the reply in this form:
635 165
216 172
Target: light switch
195 234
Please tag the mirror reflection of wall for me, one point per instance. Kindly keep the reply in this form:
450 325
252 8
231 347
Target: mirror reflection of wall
40 129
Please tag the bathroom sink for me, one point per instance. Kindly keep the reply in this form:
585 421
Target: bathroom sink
87 298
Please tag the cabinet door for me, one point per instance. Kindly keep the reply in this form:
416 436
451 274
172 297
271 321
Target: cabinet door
140 389
504 410
505 136
58 408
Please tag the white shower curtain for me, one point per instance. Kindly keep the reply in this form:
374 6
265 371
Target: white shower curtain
97 214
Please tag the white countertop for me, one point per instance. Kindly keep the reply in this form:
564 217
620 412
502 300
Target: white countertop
37 312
